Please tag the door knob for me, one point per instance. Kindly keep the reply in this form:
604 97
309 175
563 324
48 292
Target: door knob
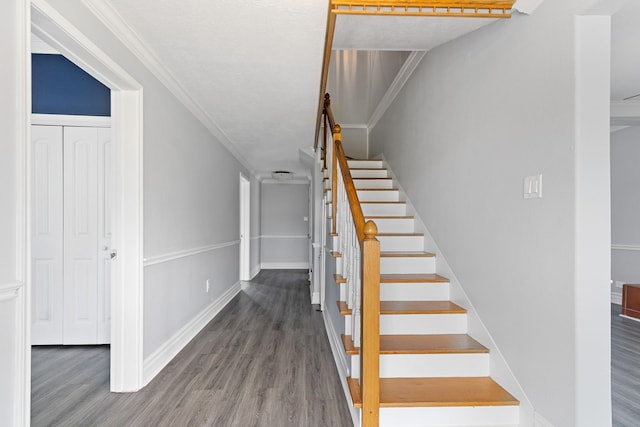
114 254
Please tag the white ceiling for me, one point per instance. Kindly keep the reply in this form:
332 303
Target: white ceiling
254 66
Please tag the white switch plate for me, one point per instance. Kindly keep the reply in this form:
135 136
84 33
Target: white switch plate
532 188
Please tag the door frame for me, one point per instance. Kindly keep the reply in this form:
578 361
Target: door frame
127 226
245 228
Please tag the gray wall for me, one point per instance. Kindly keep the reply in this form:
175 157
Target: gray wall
625 207
284 241
478 115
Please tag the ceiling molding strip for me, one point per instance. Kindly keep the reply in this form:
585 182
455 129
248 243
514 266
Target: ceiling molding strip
395 87
446 8
114 22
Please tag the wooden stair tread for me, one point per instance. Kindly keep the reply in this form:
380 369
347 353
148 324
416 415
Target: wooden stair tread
412 278
406 254
420 307
411 307
421 344
336 254
343 308
436 392
339 279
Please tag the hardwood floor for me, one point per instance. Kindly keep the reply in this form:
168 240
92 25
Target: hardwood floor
625 369
263 361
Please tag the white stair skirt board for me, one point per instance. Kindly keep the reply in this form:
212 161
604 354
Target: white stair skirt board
393 225
450 416
418 324
365 164
401 243
369 173
413 291
429 365
408 265
388 209
373 183
378 195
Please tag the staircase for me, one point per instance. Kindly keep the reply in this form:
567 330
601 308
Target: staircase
431 372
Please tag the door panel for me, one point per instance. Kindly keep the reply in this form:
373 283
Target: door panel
80 235
104 163
47 302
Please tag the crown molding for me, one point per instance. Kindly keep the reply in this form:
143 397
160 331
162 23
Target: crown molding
114 22
396 86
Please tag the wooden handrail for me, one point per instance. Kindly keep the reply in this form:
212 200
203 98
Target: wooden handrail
370 275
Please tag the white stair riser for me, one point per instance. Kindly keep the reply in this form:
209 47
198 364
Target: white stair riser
378 195
365 164
385 209
407 324
401 243
418 324
428 365
407 265
393 225
414 292
450 416
373 183
369 173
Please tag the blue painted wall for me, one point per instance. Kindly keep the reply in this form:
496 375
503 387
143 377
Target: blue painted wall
61 87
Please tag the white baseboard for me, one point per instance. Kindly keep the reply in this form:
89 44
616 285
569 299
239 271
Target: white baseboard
616 298
341 364
254 271
629 317
163 355
284 265
315 298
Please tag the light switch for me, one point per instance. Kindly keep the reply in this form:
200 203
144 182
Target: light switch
306 218
532 187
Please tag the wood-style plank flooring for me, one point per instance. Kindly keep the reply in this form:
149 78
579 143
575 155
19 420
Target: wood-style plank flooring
263 361
625 369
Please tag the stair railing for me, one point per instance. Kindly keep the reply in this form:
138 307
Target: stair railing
360 250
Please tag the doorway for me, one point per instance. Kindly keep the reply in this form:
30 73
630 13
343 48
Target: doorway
126 364
245 228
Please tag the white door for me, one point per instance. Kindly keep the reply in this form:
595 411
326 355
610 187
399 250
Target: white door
78 303
245 221
46 224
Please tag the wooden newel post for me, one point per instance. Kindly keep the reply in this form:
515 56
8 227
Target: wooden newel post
337 139
370 342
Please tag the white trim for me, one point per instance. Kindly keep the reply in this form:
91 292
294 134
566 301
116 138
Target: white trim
284 265
114 22
10 291
163 355
39 46
395 87
315 297
171 256
284 236
69 120
256 237
629 317
540 421
625 248
341 364
254 271
616 298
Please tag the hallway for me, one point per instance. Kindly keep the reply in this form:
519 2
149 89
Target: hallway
263 361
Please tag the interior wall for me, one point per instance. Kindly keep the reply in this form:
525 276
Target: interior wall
191 202
355 142
285 232
477 116
625 205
